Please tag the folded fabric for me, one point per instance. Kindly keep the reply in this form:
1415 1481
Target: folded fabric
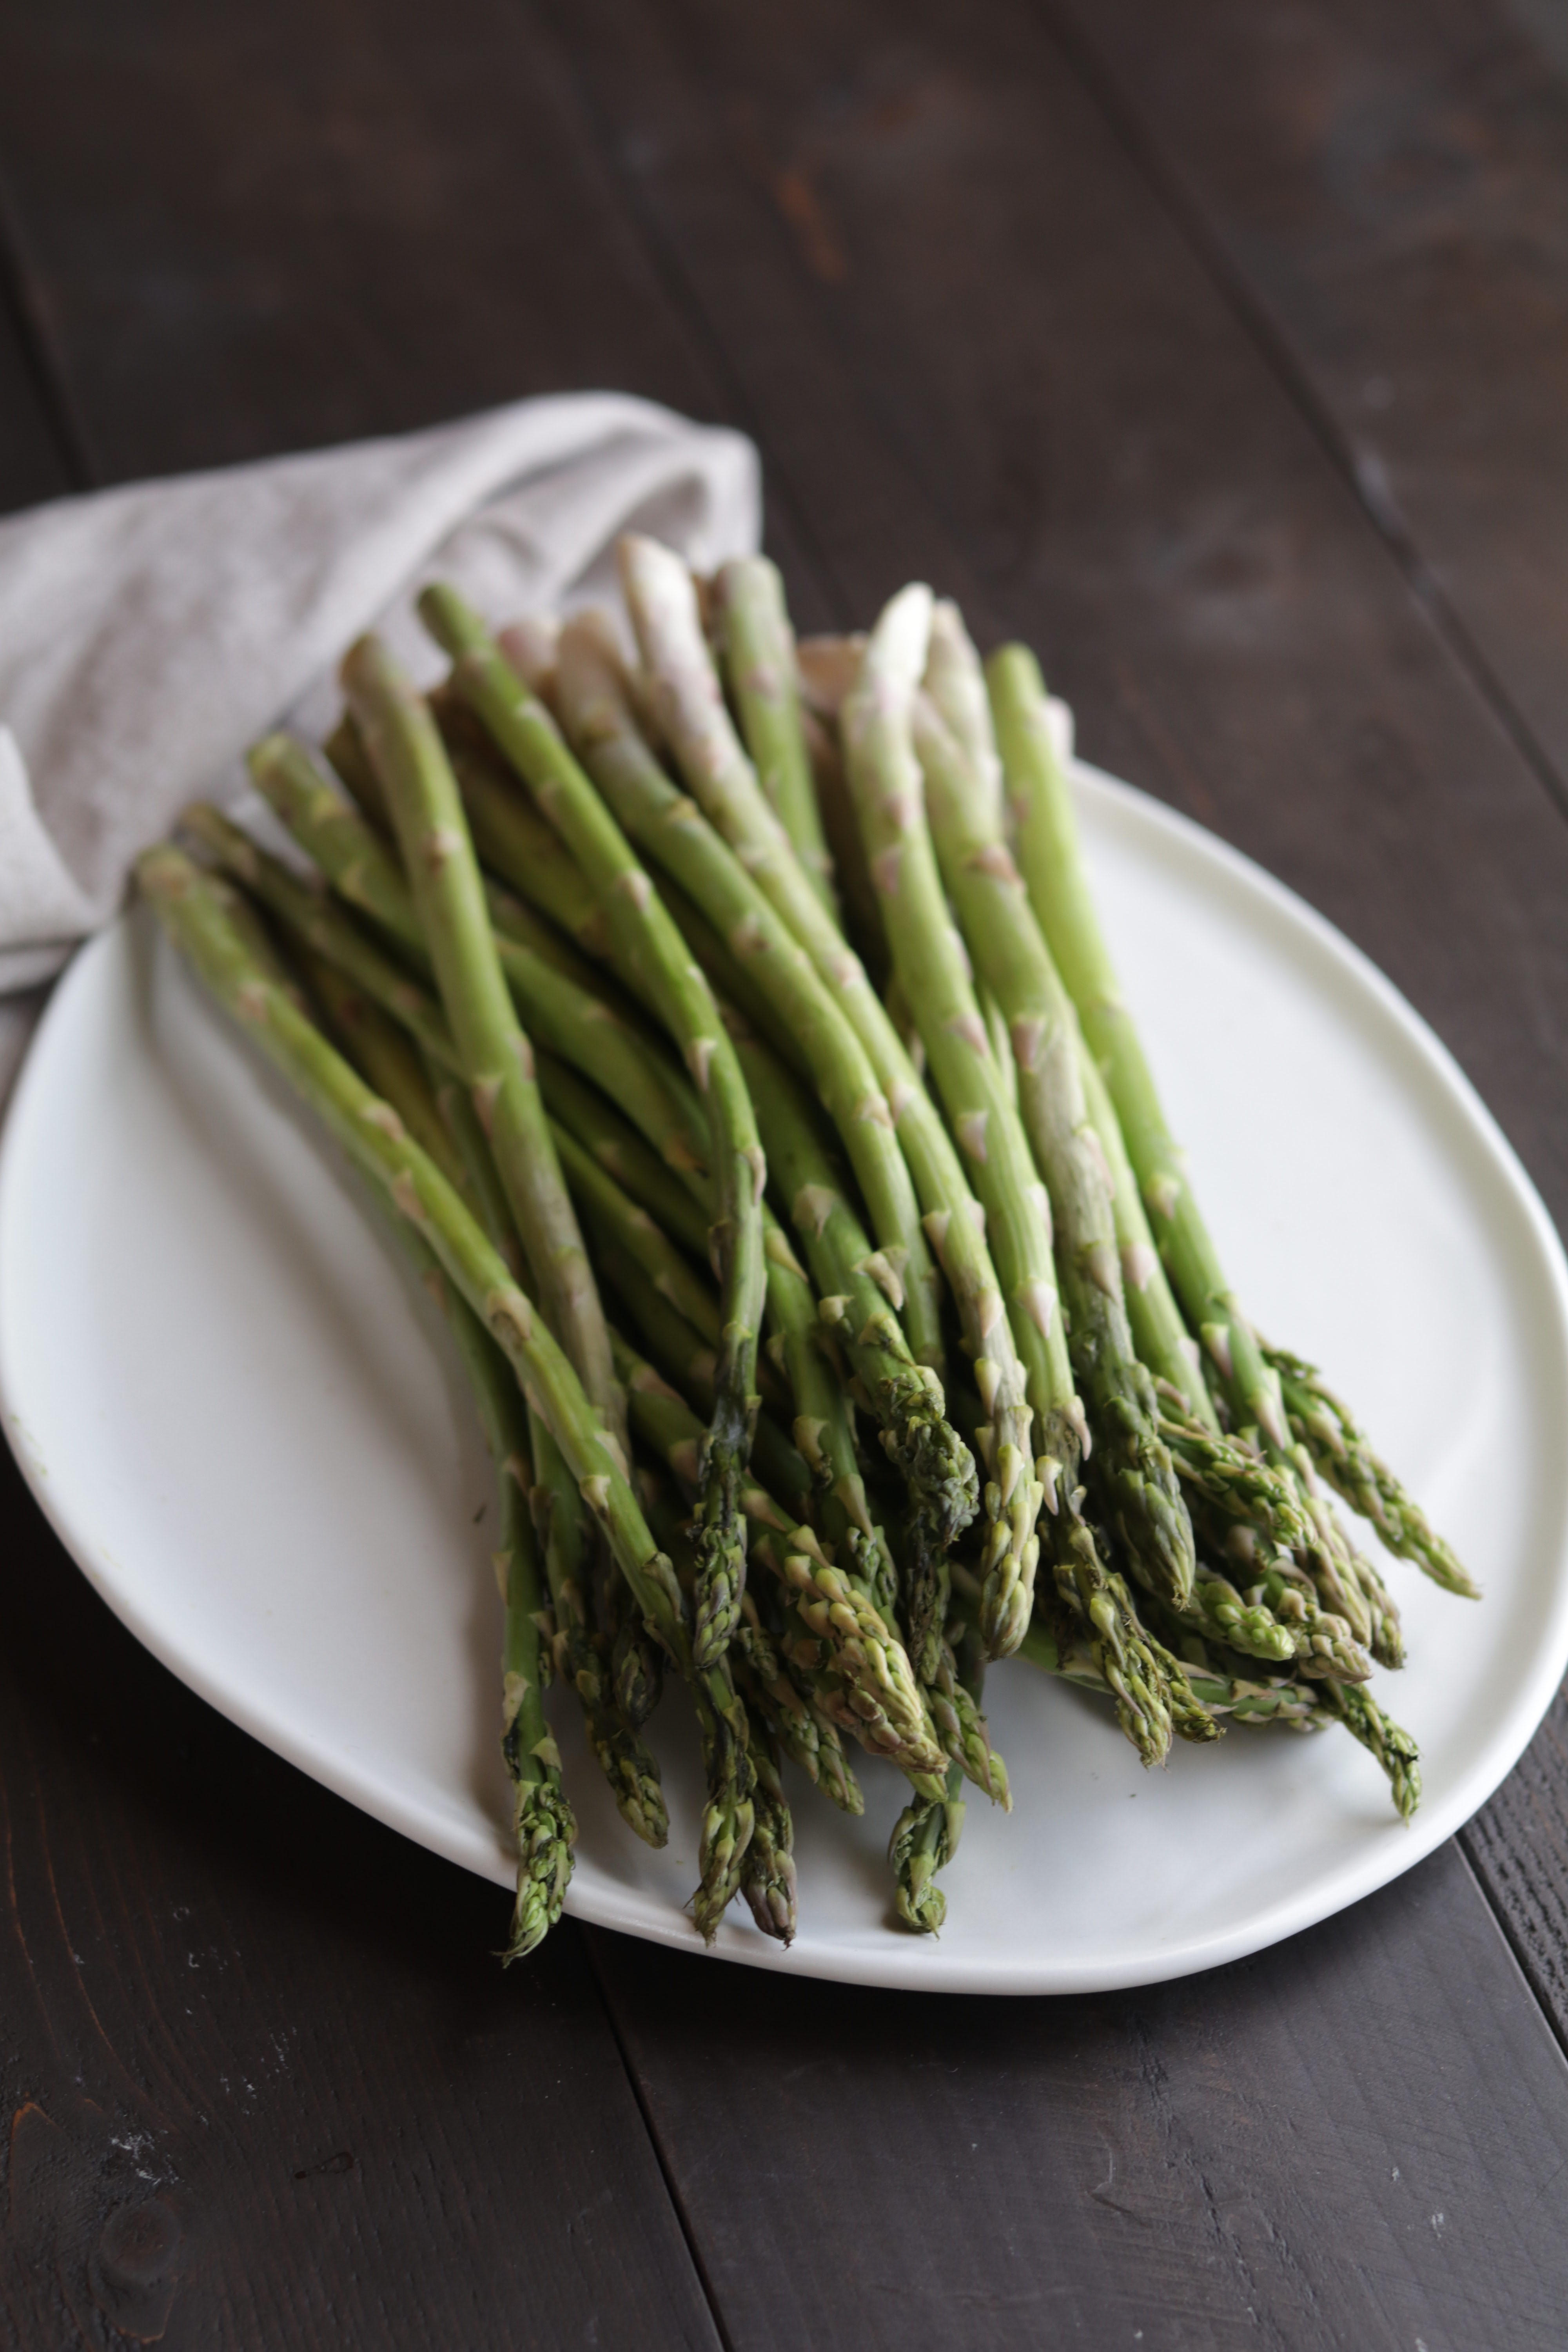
147 634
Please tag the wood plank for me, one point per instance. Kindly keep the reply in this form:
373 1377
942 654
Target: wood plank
1386 182
36 454
262 229
1350 2140
264 2080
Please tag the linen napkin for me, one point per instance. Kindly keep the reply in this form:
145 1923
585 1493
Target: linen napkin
148 634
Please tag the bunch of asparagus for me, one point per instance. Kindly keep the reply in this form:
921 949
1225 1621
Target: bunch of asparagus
837 1308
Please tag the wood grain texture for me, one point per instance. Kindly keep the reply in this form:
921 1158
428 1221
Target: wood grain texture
264 2082
1389 184
1351 2140
260 228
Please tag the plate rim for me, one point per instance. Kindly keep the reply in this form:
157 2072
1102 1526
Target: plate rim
908 1963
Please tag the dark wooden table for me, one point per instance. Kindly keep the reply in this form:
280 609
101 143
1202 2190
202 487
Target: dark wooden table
1221 351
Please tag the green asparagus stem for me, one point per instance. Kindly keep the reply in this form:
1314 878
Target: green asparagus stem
404 749
674 831
1382 1737
313 918
193 908
1159 1334
955 688
1320 1422
932 970
800 1728
1132 1471
1059 890
568 1020
756 646
527 733
768 1882
688 707
613 1213
691 717
924 1840
856 1294
445 1126
587 1117
545 1826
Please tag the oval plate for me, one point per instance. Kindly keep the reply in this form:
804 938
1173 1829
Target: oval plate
247 1426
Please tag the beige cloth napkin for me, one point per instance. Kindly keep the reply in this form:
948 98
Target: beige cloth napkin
147 634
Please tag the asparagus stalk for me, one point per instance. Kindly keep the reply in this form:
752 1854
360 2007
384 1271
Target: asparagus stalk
528 734
689 709
756 645
404 749
573 1022
1340 1451
924 1840
1132 1470
1159 1334
544 1825
674 831
768 1882
955 688
796 1722
856 1295
446 1127
691 714
322 926
932 971
193 908
587 1117
883 1703
1059 890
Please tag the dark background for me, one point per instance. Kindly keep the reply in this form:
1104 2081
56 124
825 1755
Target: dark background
1221 349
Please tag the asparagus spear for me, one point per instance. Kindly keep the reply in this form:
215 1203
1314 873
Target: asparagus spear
193 908
756 645
1159 1334
955 687
933 972
545 1828
445 1126
1320 1422
528 734
924 1840
768 1882
1132 1467
322 926
883 1707
586 1116
691 714
1059 890
404 750
799 1727
856 1300
689 709
676 835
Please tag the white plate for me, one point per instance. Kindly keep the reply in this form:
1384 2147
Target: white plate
248 1428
